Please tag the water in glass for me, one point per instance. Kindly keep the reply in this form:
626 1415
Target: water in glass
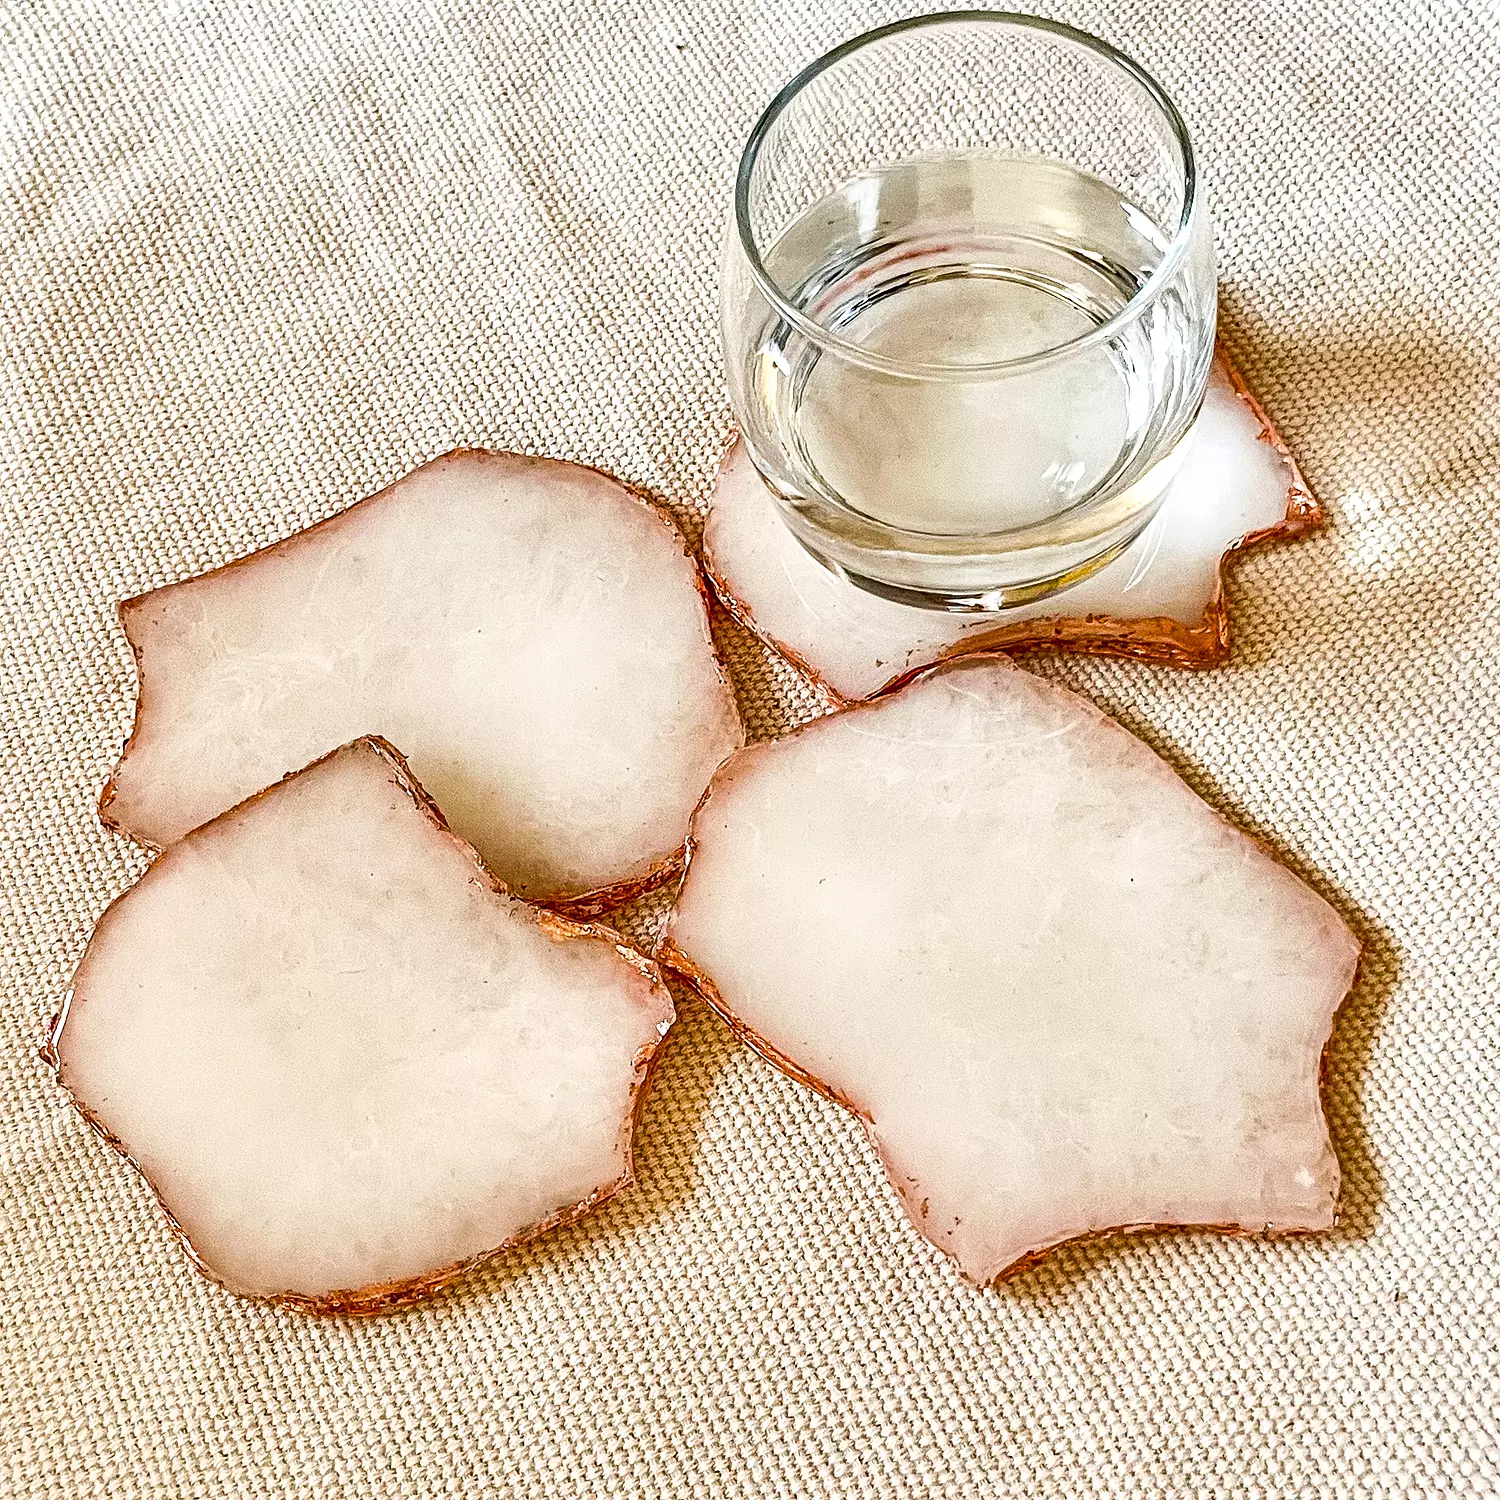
951 262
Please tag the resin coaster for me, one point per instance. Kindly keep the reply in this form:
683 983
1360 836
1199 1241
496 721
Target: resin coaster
1135 1040
1161 600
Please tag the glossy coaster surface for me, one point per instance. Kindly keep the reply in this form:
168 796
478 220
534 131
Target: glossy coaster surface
1161 600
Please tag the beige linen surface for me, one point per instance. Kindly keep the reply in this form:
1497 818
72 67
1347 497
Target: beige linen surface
259 259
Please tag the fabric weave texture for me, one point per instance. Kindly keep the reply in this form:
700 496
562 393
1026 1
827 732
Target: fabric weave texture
259 260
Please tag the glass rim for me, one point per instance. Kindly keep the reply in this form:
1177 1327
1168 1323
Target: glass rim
834 342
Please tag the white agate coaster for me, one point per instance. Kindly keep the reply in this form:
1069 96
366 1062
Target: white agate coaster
1161 600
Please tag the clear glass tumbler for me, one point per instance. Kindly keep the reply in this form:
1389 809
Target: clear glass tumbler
968 305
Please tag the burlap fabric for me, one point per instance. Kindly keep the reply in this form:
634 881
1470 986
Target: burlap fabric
261 259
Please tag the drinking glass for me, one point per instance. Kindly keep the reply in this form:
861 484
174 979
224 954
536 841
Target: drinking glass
968 304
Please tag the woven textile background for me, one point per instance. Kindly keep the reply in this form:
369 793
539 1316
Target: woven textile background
259 259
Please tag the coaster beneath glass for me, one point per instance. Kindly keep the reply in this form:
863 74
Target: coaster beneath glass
1161 600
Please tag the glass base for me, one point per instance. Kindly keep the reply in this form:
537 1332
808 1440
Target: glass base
992 600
